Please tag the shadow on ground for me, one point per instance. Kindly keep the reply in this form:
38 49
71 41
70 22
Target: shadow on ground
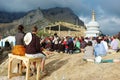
55 65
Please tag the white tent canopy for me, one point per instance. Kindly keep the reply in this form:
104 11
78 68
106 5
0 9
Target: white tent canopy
10 39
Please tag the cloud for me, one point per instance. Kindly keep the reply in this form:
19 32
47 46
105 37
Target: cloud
107 11
25 5
110 25
112 6
80 7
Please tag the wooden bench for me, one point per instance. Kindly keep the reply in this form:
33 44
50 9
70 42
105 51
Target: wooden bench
27 62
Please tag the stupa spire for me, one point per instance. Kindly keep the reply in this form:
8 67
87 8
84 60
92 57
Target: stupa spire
93 16
93 29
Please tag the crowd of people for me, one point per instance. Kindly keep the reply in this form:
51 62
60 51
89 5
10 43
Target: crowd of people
70 44
92 47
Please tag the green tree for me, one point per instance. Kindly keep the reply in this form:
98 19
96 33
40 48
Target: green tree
41 33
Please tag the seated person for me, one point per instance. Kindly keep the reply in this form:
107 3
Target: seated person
77 45
7 45
89 52
99 49
33 48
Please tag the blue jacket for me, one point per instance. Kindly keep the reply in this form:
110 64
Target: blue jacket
99 50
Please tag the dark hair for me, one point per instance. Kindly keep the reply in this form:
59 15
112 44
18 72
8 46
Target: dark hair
98 40
89 43
34 29
82 38
55 34
20 27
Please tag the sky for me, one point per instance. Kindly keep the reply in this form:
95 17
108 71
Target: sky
107 11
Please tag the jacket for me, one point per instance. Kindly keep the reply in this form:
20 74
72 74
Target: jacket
34 46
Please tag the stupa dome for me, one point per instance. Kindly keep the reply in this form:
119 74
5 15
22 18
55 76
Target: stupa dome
92 27
93 23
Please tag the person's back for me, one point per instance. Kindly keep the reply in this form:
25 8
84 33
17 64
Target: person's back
34 45
118 45
77 45
89 51
19 48
105 45
70 46
19 36
99 49
83 43
7 46
33 48
114 44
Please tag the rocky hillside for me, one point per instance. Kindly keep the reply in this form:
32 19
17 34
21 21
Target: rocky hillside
34 17
41 18
62 14
6 17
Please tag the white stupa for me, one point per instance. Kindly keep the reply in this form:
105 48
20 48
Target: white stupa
92 27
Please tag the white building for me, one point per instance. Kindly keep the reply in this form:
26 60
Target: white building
10 39
92 27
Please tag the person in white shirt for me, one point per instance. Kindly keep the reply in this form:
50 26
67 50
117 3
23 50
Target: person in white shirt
105 44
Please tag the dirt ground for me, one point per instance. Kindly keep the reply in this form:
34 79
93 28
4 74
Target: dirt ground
61 66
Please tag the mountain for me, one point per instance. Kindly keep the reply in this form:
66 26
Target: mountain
38 17
6 17
62 14
34 17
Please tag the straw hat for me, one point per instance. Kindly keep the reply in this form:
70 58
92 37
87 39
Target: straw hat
28 38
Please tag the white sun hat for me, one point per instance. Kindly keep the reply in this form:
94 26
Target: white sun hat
28 38
98 59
